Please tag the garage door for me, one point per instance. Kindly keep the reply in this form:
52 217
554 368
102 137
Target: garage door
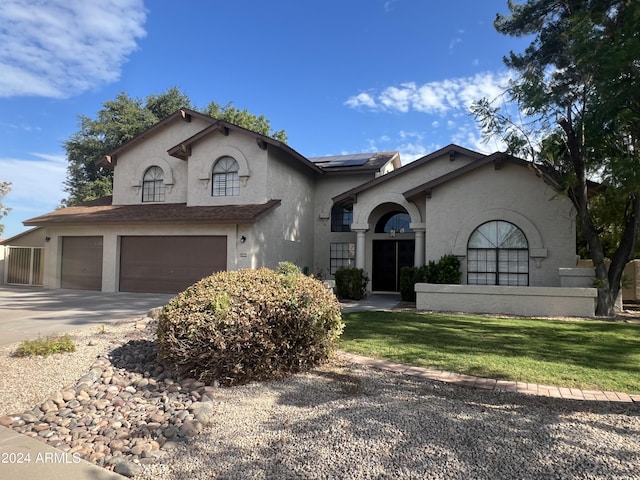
169 264
81 263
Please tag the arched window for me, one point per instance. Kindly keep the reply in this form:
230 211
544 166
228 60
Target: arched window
498 254
153 185
224 179
396 221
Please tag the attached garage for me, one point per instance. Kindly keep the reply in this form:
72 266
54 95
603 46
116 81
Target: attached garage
81 263
169 264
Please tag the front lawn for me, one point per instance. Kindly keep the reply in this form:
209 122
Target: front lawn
583 354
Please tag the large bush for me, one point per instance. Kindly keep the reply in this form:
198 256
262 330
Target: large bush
238 326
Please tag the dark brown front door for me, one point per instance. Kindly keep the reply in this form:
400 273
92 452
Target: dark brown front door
81 263
389 256
169 264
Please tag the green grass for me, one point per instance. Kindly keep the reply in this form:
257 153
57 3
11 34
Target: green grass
583 354
45 346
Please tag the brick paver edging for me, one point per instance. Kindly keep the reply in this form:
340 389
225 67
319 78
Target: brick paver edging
491 384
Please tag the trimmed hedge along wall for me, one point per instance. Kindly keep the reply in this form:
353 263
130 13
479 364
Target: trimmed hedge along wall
239 326
445 271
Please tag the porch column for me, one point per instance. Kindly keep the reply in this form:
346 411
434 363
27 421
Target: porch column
419 230
360 243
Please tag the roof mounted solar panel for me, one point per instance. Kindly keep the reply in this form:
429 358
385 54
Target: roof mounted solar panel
334 161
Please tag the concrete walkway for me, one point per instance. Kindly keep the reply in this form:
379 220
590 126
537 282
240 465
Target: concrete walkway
388 302
25 458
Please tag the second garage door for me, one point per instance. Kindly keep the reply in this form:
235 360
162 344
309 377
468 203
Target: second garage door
169 264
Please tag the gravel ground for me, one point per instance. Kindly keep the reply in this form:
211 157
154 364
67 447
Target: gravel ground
348 421
25 382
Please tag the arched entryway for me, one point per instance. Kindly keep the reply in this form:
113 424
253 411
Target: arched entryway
393 247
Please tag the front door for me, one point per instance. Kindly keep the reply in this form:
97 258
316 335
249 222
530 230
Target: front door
389 256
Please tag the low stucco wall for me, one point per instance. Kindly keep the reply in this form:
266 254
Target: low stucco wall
577 277
526 301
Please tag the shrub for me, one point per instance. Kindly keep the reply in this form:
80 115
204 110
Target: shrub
239 326
351 283
446 270
288 268
45 346
409 276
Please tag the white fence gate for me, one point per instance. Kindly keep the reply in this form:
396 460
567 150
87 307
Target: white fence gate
24 266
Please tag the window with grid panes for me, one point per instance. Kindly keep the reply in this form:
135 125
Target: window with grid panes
153 187
498 254
224 179
342 254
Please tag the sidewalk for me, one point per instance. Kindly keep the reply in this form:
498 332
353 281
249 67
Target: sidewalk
25 458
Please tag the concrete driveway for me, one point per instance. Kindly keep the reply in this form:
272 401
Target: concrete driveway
27 312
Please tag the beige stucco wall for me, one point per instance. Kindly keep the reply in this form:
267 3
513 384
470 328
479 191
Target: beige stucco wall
134 161
252 169
326 188
526 301
371 204
286 233
513 194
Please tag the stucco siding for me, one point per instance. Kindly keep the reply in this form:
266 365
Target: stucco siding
512 194
392 189
132 164
327 188
286 233
252 169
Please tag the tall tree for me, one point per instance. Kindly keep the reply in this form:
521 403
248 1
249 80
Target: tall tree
122 119
259 124
578 86
5 188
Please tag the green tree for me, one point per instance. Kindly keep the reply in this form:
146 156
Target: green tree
122 119
244 119
577 89
5 188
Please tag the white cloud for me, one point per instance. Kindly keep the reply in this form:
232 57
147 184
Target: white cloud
361 100
58 48
434 97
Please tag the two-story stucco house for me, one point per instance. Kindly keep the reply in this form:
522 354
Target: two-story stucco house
193 195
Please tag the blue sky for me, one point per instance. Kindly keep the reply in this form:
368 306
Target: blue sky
340 76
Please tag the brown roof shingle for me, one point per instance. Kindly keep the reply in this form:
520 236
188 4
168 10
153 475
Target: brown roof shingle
102 211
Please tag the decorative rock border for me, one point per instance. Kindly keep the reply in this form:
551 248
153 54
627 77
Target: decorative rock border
128 409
